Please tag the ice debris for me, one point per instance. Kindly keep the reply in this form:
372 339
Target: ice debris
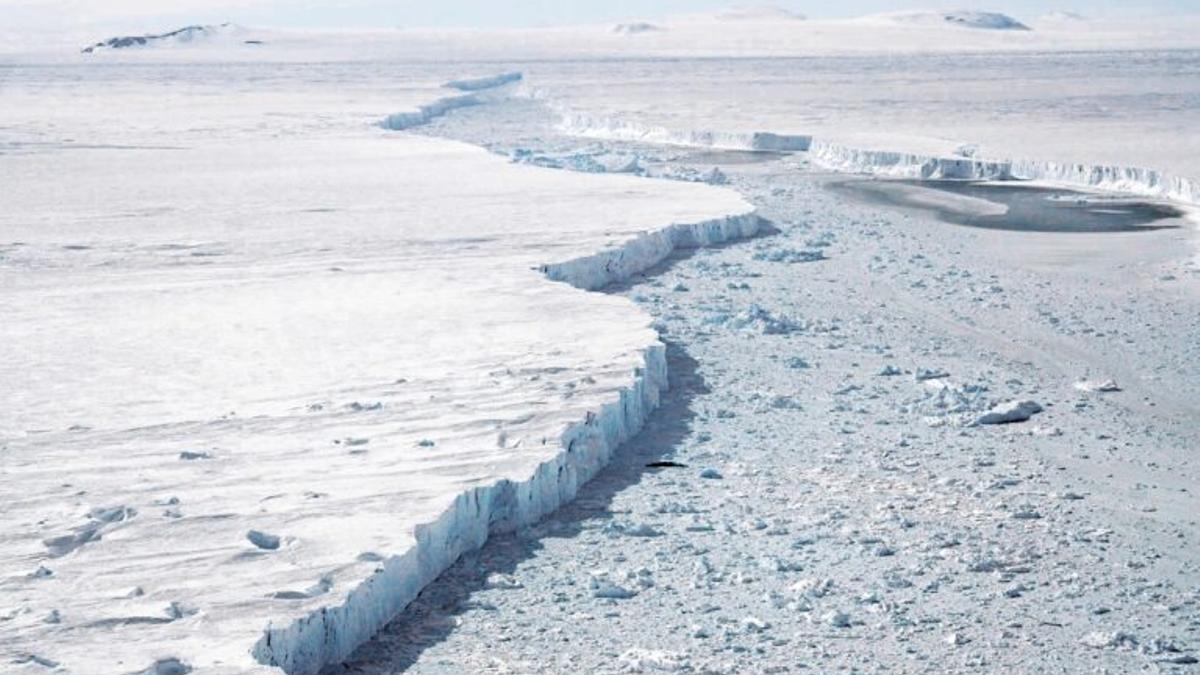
267 542
1010 412
1103 386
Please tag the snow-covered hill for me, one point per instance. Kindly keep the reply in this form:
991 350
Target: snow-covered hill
759 13
636 28
963 18
1064 17
225 33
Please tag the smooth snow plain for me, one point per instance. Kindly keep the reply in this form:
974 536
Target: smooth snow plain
285 364
277 366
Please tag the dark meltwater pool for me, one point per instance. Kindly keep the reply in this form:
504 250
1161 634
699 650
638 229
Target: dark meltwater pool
1015 206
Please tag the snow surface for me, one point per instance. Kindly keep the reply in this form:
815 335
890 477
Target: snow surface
278 371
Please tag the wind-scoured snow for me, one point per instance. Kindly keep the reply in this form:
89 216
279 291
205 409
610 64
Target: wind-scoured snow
274 382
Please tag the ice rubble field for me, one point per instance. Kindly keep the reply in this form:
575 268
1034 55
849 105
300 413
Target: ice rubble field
814 484
331 338
280 365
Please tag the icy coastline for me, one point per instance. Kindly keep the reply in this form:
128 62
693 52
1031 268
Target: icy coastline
330 634
821 479
477 88
1130 180
219 476
326 629
896 163
589 126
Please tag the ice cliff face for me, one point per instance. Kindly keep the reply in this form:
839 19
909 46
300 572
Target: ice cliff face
330 634
476 87
423 114
481 83
619 130
892 163
1133 180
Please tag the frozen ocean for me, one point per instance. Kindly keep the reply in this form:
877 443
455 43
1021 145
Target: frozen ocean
293 321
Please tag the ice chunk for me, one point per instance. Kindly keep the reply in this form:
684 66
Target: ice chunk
1010 412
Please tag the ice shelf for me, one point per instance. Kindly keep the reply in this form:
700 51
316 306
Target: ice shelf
275 380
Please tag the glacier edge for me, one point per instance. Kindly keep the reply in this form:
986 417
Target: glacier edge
330 634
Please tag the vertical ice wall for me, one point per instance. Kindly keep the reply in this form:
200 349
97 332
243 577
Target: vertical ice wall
331 634
1146 182
891 163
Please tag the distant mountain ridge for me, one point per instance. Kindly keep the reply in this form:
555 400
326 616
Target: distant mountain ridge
635 28
759 13
184 35
962 17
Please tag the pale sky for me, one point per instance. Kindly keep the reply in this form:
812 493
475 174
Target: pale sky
149 15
